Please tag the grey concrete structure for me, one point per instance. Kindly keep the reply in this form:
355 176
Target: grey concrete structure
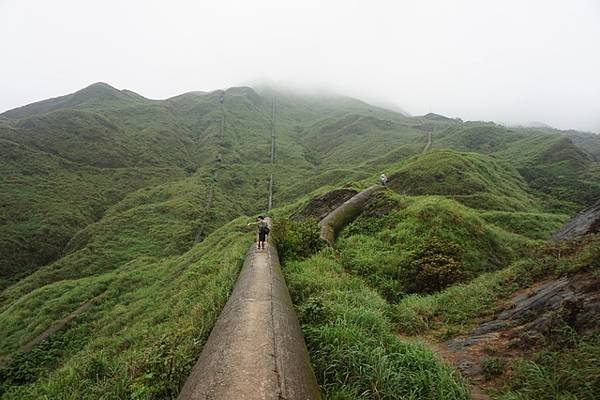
344 214
256 349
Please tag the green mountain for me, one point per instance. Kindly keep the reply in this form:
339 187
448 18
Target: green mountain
140 206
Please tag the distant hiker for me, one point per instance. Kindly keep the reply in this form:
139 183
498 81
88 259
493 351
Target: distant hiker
263 231
383 179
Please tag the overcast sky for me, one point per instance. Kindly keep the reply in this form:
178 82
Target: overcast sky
508 60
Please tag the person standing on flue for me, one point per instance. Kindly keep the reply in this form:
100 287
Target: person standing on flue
263 231
383 179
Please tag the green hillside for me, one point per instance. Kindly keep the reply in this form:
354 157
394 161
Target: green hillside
473 179
139 207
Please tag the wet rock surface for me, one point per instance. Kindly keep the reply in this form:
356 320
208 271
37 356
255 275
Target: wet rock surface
587 221
320 206
572 301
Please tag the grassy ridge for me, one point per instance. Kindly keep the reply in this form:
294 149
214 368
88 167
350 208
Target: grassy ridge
473 179
107 190
558 163
140 341
47 199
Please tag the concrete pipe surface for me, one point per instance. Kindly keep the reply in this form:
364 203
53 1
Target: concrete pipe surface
344 214
256 349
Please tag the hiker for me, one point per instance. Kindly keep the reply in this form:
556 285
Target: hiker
383 179
263 231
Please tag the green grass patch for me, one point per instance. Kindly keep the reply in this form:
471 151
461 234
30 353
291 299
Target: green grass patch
566 373
354 352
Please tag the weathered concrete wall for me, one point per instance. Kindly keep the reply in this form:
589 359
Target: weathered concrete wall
256 349
344 214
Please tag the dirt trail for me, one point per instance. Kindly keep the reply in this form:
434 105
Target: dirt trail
256 349
477 392
63 323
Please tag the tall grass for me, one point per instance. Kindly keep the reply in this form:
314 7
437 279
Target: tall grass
351 342
140 341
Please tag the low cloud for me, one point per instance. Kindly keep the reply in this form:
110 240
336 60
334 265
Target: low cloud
510 61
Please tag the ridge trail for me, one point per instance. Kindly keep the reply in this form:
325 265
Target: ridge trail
256 349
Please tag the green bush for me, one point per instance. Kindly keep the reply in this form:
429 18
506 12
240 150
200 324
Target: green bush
296 239
436 264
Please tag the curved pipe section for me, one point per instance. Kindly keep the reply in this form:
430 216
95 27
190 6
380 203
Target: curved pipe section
256 349
344 214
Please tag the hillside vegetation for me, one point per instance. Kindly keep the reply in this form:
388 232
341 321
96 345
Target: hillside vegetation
136 210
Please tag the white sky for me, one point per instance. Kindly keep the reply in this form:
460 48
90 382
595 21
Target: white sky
507 60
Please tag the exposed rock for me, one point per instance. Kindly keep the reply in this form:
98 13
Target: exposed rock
587 221
460 344
573 301
320 206
469 367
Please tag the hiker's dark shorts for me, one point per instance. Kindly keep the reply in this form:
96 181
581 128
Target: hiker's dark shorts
262 236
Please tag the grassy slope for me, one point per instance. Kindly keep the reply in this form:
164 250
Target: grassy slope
46 200
162 299
350 299
353 349
135 243
558 163
475 180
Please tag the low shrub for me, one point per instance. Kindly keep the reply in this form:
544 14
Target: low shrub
296 239
436 264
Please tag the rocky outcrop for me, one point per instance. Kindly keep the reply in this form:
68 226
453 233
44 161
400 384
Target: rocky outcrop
320 206
572 301
576 298
587 221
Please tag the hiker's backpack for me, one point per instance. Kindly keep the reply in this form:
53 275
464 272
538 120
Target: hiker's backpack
264 228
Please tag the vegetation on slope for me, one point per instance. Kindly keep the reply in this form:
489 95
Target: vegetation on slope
160 303
46 200
345 295
475 180
562 365
106 191
558 163
353 296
